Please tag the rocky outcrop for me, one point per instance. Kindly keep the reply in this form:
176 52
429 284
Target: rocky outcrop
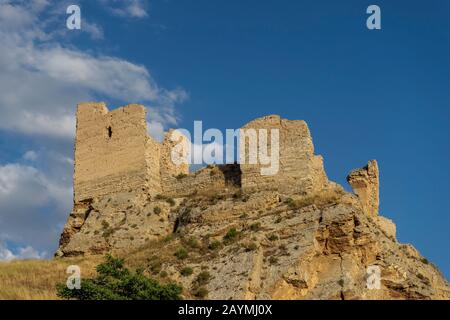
293 235
365 183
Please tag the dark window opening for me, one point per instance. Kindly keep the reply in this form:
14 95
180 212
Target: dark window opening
109 132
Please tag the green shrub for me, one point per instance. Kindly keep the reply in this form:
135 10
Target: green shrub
169 238
170 201
181 253
273 260
202 278
155 266
105 224
290 202
186 271
255 226
251 246
200 292
273 237
115 282
192 242
214 245
181 176
156 210
231 235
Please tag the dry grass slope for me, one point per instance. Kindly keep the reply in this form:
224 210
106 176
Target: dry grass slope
36 279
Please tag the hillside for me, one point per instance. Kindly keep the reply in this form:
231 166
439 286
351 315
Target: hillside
258 246
232 231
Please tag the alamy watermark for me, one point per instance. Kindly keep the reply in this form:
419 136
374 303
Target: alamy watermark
254 146
74 280
373 280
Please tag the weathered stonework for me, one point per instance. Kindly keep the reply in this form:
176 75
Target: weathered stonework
300 171
110 152
365 183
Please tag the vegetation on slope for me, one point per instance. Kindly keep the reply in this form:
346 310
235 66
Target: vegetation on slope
115 282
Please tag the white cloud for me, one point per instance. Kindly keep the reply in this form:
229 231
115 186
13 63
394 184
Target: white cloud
27 252
156 130
31 205
41 81
30 155
5 253
127 8
93 29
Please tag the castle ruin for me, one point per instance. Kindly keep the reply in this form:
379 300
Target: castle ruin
120 172
115 154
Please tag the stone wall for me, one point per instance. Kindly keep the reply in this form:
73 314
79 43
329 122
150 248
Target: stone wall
169 170
211 179
300 171
110 151
114 154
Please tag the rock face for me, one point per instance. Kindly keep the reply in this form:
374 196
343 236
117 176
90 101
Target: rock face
365 183
292 235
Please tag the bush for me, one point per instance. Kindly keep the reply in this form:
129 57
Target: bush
186 271
251 246
193 243
200 292
231 235
115 282
156 210
214 245
255 226
155 266
202 278
273 260
273 237
181 253
181 176
170 201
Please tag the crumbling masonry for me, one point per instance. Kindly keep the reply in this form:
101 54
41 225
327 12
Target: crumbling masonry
124 179
114 154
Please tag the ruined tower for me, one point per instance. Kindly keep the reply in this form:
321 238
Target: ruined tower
300 171
113 152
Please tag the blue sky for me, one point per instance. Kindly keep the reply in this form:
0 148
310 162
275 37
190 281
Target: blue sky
380 94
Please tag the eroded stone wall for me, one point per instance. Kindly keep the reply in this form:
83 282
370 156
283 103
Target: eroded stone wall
300 171
111 151
171 171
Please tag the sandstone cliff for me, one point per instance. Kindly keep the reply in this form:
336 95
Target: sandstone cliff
235 235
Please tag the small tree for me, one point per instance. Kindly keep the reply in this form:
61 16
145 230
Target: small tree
115 282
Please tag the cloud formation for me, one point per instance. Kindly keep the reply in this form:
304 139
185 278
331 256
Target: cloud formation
42 78
21 253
